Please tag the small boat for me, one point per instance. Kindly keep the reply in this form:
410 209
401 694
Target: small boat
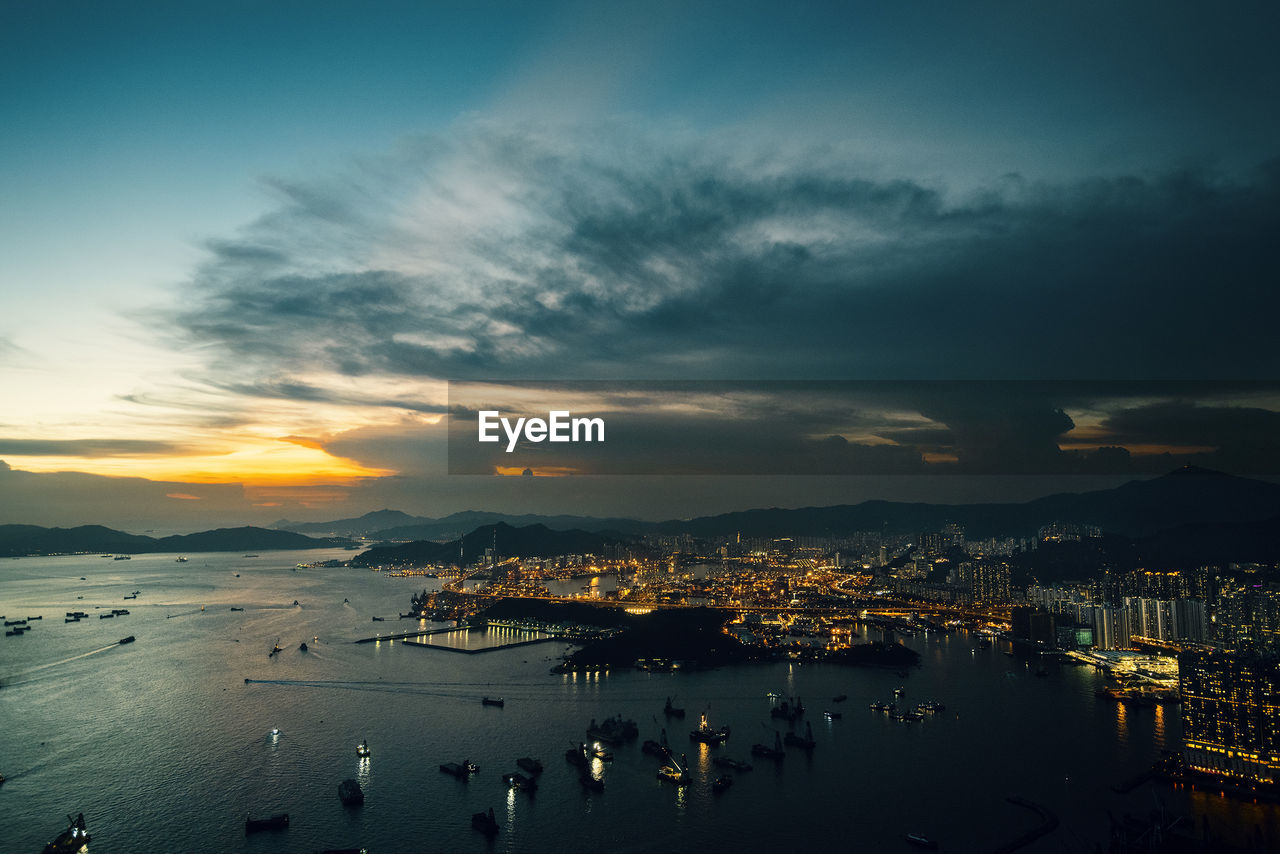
462 771
74 838
653 748
122 557
496 701
485 822
705 734
599 751
237 609
350 793
577 756
520 782
132 596
921 841
721 783
775 753
804 742
39 617
676 772
181 559
735 764
124 641
279 821
671 711
120 612
899 691
832 716
275 732
375 619
362 749
71 620
106 616
533 766
275 649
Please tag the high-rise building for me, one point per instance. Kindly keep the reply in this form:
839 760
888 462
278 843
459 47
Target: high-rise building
1231 714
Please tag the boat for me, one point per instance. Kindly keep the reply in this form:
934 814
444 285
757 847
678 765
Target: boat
375 619
832 716
653 748
279 821
132 596
735 764
705 734
106 616
181 559
804 742
533 766
237 609
38 617
120 612
493 701
775 753
671 711
462 771
275 649
921 841
577 755
350 793
721 783
362 749
899 691
520 782
484 822
931 706
613 730
786 711
599 751
71 620
122 557
74 838
302 647
124 641
676 772
15 622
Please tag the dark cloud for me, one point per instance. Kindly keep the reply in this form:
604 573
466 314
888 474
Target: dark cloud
512 252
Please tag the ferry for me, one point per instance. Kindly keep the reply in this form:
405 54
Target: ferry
73 839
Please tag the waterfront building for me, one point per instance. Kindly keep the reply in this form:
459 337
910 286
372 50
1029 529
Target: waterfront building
1231 714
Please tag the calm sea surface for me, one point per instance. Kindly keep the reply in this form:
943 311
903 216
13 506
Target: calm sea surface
165 747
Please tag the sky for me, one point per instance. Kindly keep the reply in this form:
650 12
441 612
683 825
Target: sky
245 248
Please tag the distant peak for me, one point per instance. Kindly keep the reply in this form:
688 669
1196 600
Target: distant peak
1189 470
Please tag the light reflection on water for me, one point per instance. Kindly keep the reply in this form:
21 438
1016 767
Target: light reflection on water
164 739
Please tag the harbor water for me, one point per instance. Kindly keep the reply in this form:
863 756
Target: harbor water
164 745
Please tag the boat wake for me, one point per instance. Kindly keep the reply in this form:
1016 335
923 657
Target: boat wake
19 678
